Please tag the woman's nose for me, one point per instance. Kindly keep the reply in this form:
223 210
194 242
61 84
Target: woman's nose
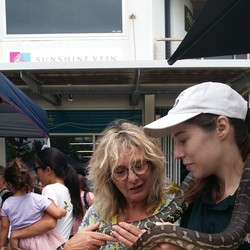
178 153
132 175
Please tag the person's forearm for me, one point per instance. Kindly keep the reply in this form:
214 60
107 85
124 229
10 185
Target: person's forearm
3 236
67 246
44 225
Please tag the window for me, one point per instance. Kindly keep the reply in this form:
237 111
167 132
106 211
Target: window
77 149
51 17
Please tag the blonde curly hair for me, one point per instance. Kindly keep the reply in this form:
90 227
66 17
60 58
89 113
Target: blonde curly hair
122 135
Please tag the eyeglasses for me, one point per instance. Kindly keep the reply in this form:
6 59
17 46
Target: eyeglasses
138 168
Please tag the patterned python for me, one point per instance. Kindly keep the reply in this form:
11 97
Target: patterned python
231 238
170 214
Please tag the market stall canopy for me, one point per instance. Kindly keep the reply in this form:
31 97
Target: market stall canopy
20 116
222 28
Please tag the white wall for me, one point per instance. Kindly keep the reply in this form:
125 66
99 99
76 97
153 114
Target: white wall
139 41
136 43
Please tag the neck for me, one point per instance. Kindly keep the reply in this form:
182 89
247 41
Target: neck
20 193
135 211
56 179
229 179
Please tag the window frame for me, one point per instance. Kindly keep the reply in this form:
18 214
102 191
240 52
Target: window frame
62 36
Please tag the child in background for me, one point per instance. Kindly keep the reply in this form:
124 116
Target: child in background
87 198
40 186
25 208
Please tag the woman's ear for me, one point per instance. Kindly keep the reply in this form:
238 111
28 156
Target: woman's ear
48 170
222 126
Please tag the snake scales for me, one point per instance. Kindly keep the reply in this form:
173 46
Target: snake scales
231 238
171 213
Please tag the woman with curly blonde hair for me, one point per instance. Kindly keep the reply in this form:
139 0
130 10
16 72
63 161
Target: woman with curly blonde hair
129 181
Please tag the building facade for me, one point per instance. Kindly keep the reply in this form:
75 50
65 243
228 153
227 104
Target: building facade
90 62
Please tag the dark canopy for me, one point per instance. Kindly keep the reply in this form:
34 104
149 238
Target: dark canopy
20 116
222 28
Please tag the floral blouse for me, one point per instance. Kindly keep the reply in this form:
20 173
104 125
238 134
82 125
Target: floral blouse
91 217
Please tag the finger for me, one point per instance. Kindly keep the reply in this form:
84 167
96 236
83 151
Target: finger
99 239
103 237
93 227
125 241
124 236
130 228
14 246
91 232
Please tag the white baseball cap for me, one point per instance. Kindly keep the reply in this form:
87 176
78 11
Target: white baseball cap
208 97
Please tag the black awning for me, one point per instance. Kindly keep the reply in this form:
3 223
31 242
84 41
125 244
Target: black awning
222 28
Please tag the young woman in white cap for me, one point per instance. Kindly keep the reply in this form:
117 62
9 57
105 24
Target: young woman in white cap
209 124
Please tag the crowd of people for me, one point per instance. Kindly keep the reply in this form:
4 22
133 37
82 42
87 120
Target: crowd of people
209 125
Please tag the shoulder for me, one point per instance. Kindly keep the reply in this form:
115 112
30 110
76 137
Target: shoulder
92 212
91 217
90 197
56 187
37 200
167 200
37 197
8 201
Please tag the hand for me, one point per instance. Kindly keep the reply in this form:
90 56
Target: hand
88 239
14 242
126 233
64 212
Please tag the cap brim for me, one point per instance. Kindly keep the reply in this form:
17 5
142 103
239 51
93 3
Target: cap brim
162 126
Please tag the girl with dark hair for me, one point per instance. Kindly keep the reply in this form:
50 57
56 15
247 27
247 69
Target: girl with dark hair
61 186
25 208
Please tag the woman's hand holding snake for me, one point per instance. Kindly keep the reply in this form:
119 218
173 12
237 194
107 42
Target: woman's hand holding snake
126 233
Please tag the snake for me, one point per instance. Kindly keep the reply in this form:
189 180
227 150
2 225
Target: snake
170 213
231 238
